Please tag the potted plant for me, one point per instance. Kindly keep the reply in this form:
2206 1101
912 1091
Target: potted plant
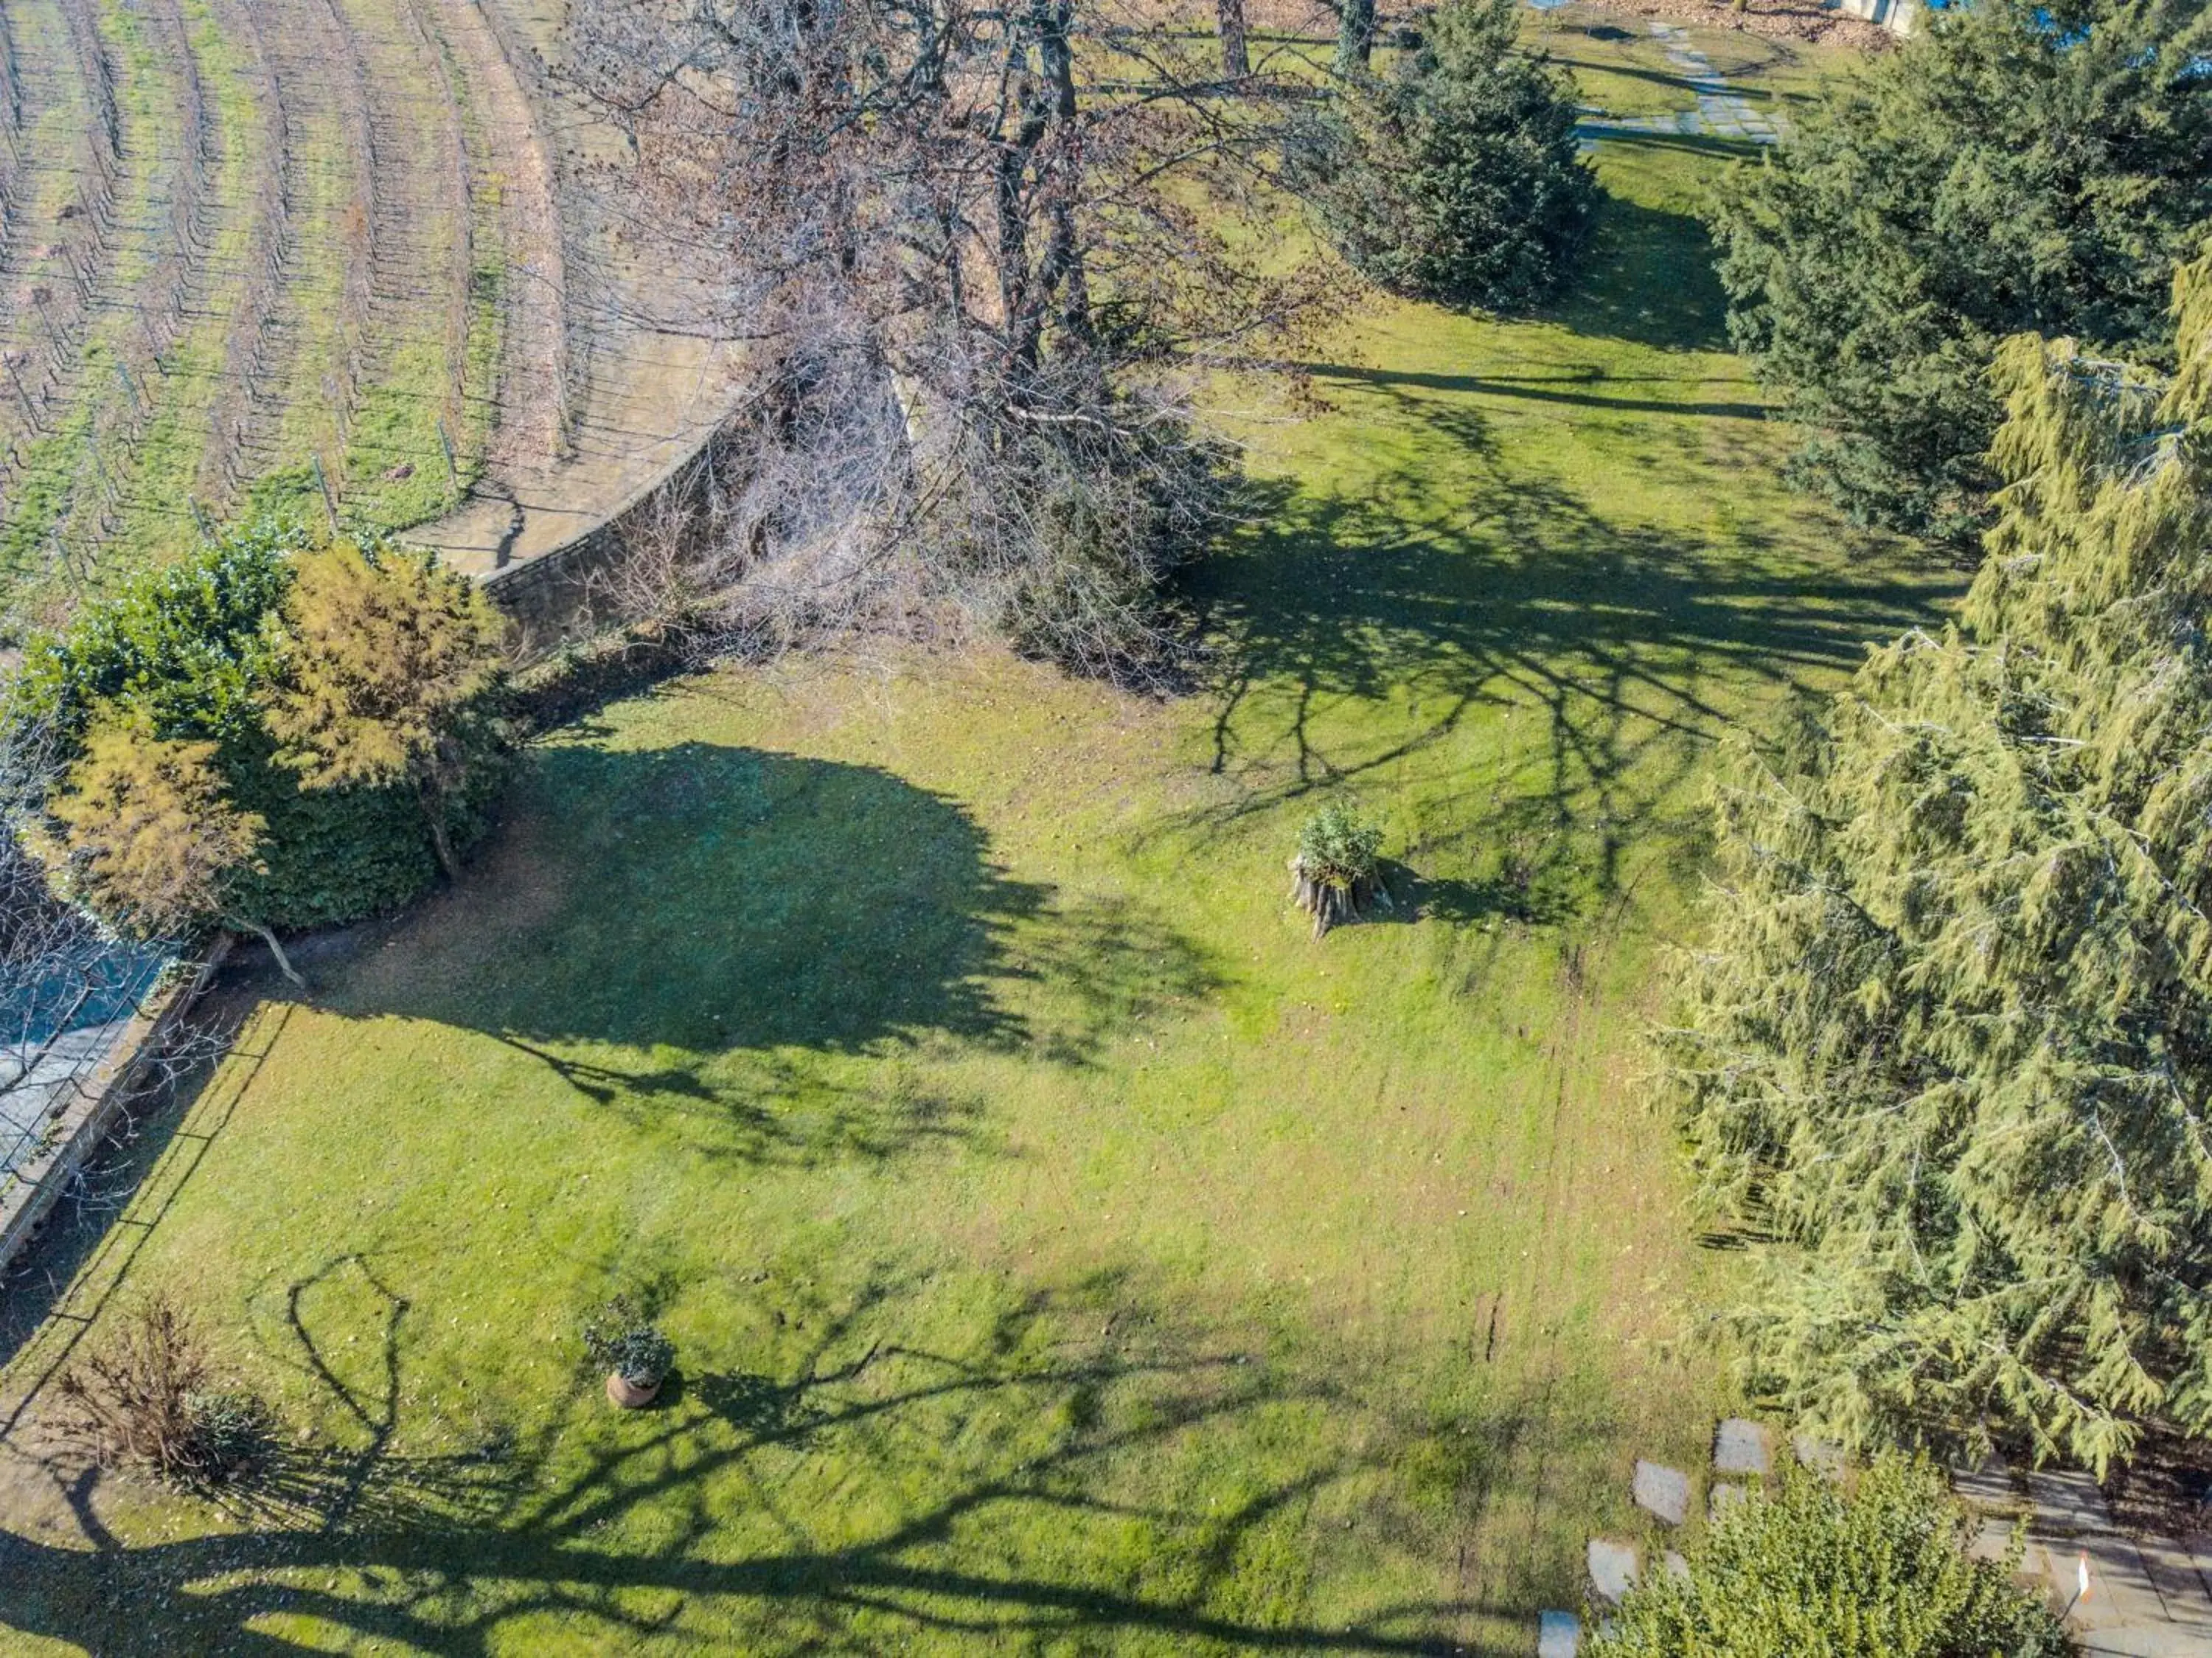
636 1355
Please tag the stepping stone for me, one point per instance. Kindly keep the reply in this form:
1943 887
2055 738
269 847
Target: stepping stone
1674 1566
2069 1502
1662 1492
1724 1497
1818 1456
1990 1483
1559 1635
1612 1569
1740 1446
2180 1569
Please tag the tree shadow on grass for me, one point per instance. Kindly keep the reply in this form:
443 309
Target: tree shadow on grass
1647 276
731 942
1614 651
1082 1467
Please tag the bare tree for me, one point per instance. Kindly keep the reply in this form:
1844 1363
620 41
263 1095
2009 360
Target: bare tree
1236 50
981 257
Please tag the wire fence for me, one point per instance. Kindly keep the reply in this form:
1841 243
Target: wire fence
60 1021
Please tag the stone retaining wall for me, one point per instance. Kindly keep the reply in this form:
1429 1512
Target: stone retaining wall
552 600
41 1179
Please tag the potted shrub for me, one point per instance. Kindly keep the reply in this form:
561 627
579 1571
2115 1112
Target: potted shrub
1337 875
636 1355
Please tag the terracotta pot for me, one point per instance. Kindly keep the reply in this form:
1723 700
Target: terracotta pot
628 1394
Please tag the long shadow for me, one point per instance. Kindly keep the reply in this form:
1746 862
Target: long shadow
1631 646
709 936
980 1503
1648 277
1534 389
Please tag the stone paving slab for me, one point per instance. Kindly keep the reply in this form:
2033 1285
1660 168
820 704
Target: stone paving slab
1990 1483
2139 1644
1741 1447
1662 1492
1991 1541
1725 1495
2181 1571
2067 1501
1674 1566
2121 1594
1559 1635
1612 1569
1721 112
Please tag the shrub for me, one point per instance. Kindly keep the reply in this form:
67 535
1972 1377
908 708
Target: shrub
1337 873
1817 1572
1457 178
188 654
624 1342
145 1400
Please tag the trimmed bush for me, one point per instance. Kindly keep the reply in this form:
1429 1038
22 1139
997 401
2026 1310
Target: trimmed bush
189 653
1878 1571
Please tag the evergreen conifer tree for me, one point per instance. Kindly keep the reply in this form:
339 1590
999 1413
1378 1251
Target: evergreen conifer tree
2019 164
385 664
1953 1035
144 835
1456 176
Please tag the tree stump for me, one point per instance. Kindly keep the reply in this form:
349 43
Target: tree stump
1332 898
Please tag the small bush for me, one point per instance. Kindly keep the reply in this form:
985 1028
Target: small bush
1337 872
1459 177
1878 1572
145 1400
621 1339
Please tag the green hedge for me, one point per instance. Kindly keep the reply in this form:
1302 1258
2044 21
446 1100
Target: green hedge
187 648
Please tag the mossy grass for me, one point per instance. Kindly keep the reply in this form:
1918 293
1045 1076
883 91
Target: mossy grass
1059 1258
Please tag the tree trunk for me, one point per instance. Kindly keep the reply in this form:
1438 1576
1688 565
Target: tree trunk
1235 57
1061 274
1355 35
441 843
267 936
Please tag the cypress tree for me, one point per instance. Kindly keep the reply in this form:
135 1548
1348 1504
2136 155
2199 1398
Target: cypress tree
2019 164
1951 1040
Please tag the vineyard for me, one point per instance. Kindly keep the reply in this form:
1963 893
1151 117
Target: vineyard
353 262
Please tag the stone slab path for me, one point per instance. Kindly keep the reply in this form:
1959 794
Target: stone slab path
2148 1597
1662 1492
1721 112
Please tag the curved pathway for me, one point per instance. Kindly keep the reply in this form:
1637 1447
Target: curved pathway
1720 112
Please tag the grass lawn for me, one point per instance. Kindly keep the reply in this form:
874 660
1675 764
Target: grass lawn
1063 1252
